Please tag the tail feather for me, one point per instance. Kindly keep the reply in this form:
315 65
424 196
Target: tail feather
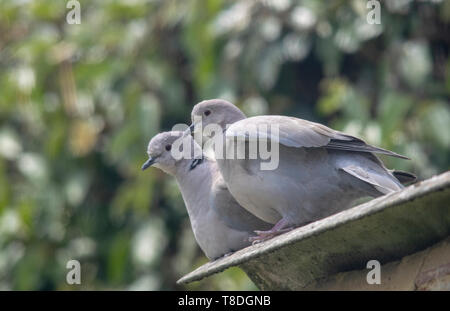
383 182
404 177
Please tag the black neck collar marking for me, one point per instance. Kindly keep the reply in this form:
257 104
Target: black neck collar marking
195 163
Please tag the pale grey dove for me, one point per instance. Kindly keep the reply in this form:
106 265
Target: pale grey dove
219 223
321 171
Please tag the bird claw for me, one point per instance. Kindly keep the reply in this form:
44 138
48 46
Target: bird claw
266 235
257 239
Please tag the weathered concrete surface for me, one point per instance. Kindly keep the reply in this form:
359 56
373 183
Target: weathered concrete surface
385 229
425 270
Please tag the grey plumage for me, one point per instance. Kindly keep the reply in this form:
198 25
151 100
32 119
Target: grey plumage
219 223
321 171
294 132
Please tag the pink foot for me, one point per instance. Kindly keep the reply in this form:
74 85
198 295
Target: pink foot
279 228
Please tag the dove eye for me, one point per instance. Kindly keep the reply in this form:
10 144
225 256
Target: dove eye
207 112
168 147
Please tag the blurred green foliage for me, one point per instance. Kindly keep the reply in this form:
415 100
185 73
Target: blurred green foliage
78 104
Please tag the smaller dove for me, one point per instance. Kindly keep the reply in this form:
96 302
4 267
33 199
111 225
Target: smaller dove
220 225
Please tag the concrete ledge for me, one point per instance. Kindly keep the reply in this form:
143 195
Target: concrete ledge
425 270
386 229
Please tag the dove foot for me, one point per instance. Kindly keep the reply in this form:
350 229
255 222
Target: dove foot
228 254
279 228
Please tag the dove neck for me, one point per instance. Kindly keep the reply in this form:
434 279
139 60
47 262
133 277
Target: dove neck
195 187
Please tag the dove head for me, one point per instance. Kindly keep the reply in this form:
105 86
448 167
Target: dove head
168 151
216 111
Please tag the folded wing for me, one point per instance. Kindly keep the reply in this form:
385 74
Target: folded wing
298 133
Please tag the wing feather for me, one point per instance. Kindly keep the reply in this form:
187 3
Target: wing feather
298 133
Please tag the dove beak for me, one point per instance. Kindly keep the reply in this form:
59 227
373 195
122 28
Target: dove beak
148 163
189 130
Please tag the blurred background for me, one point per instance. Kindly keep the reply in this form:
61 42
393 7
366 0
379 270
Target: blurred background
79 103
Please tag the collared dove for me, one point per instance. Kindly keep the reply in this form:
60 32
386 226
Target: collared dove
320 172
219 223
